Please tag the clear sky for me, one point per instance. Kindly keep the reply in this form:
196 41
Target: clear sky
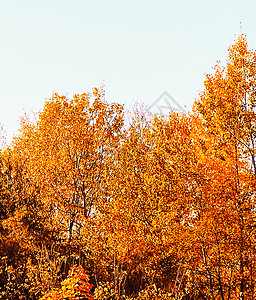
138 48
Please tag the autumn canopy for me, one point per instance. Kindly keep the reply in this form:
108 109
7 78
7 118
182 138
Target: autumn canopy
97 206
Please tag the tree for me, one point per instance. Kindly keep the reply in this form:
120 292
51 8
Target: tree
227 108
67 156
76 286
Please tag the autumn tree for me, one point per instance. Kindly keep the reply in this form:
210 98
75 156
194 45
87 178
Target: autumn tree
227 108
21 224
149 203
76 286
67 156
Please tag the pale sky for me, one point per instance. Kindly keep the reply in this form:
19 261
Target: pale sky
138 48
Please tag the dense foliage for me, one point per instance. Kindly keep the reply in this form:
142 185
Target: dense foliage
93 208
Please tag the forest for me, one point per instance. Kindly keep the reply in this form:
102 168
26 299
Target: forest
97 205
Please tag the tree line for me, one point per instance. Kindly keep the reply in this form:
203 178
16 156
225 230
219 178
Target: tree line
162 208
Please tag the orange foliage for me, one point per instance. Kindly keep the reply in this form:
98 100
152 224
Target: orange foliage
163 208
74 287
